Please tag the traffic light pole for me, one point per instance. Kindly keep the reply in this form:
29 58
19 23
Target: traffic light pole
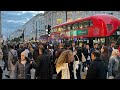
66 15
36 32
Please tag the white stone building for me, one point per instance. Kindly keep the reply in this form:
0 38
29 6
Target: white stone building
16 34
34 27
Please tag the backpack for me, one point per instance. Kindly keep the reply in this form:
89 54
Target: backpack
15 59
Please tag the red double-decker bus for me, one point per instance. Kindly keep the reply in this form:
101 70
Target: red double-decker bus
99 28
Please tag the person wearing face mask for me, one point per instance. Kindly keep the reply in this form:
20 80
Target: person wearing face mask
23 67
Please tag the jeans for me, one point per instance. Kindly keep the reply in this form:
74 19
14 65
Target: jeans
84 65
5 64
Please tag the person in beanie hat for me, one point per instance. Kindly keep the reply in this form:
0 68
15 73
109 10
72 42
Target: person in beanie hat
24 66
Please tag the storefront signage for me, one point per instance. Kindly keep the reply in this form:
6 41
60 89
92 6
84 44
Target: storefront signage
82 32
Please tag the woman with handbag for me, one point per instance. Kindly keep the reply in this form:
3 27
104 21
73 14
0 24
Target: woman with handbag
77 64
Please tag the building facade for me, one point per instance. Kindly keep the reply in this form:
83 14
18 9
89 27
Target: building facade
57 17
34 28
16 34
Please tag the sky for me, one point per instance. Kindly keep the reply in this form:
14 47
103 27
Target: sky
13 20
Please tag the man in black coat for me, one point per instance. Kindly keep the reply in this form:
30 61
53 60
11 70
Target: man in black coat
97 69
44 69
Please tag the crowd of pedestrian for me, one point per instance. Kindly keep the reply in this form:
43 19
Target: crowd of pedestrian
66 60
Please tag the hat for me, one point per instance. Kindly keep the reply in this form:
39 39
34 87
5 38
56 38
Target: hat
25 53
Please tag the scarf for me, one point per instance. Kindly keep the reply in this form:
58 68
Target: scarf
65 71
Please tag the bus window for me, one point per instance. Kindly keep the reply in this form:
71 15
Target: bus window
86 23
64 28
81 25
76 25
73 27
90 23
109 27
55 30
68 27
59 29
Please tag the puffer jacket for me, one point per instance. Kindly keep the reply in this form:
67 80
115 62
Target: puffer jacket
23 72
113 67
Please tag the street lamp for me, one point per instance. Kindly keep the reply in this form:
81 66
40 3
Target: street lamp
66 15
36 32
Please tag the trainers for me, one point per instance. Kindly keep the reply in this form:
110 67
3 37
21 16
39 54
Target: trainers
7 76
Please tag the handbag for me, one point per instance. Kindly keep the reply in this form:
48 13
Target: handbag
14 60
83 58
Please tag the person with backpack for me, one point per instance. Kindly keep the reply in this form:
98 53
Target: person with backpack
12 56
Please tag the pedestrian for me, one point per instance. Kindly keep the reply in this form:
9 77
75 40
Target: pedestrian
1 54
31 50
44 69
20 50
97 69
23 67
11 66
94 48
1 57
5 57
114 64
105 55
87 56
36 52
62 65
77 64
73 47
111 47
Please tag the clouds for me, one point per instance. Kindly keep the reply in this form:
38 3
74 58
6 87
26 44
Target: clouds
19 21
18 13
13 20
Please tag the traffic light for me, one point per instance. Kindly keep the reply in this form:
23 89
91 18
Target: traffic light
49 29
